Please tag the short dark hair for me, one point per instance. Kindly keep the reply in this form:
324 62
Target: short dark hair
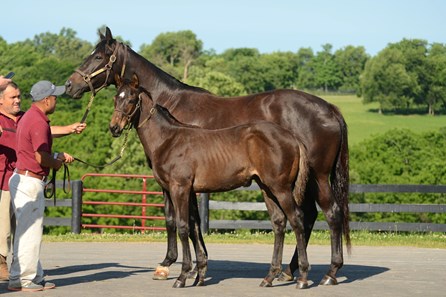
10 84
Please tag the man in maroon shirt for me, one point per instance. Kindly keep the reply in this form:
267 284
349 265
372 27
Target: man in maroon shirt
10 115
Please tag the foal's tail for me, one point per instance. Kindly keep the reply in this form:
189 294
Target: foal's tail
302 178
339 177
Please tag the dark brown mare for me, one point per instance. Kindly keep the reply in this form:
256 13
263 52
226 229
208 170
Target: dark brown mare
316 122
187 159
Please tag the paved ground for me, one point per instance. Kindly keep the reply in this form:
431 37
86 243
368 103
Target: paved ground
126 269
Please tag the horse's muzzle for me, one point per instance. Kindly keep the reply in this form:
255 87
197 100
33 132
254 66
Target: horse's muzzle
115 130
75 89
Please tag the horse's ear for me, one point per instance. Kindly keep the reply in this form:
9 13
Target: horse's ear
108 34
135 80
118 79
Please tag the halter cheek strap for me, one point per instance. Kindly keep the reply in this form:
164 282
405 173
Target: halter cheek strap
151 112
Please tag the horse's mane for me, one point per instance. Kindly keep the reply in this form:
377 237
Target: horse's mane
171 81
166 115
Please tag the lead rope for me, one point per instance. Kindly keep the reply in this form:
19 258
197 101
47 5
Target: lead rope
121 153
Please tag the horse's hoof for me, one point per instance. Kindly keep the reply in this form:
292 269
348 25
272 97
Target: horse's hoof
161 273
199 283
178 284
328 281
302 284
283 277
266 284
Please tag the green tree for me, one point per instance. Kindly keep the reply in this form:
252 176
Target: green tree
415 52
436 78
281 70
385 80
216 82
327 72
400 77
351 62
174 52
245 66
306 74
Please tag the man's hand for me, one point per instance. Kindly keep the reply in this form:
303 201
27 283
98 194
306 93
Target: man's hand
66 158
77 128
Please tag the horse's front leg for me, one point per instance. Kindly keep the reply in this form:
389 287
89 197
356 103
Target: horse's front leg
199 272
162 271
278 221
334 216
180 199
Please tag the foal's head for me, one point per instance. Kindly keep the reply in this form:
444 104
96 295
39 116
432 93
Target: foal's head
127 105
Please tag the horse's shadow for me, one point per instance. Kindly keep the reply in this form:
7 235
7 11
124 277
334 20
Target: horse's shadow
221 270
218 270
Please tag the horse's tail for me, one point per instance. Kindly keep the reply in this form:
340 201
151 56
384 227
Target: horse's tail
339 177
302 178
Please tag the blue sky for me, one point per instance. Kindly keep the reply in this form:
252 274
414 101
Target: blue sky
280 25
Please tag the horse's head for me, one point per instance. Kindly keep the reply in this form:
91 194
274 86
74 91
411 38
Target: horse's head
98 69
127 104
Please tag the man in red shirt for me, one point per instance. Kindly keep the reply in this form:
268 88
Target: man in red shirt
10 115
34 161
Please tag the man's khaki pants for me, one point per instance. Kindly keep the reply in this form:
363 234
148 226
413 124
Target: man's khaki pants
29 205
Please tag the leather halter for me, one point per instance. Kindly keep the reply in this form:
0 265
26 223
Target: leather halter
87 77
138 107
107 68
129 116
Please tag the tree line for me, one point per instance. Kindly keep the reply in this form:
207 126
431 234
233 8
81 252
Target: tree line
407 76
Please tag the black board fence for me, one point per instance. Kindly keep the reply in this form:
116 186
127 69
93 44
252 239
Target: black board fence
207 205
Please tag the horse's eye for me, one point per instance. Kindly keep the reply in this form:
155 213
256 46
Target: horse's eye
98 57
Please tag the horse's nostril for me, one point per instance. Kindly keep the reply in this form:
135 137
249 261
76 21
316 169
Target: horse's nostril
68 84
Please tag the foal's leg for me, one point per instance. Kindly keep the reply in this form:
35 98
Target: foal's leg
162 271
310 215
278 221
180 199
199 272
296 218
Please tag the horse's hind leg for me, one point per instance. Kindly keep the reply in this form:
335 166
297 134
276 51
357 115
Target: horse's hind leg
334 217
278 221
162 271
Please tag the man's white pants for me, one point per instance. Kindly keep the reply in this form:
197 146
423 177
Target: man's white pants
29 205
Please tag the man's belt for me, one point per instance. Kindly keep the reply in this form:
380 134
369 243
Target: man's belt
31 174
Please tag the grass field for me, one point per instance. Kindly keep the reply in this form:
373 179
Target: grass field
364 238
363 121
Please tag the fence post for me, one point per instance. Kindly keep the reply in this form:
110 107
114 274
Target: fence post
76 206
204 212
